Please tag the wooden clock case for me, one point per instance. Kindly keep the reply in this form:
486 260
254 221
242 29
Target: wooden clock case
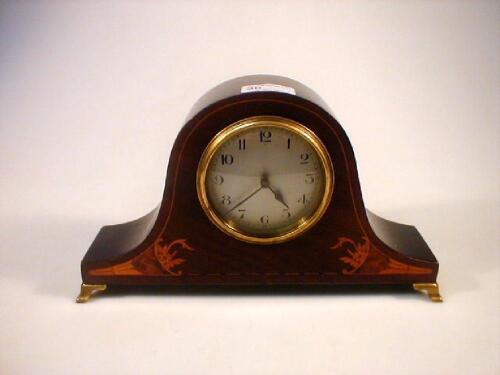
176 244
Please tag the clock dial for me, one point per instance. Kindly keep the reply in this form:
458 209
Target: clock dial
265 179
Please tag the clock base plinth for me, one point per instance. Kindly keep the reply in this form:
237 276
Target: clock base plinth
432 290
88 290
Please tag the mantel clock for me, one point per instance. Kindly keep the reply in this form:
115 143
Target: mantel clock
261 189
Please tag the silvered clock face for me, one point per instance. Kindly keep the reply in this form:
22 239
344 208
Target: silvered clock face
265 179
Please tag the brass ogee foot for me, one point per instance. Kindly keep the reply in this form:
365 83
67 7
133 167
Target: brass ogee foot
432 290
88 290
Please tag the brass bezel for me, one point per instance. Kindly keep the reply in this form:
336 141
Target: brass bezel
243 125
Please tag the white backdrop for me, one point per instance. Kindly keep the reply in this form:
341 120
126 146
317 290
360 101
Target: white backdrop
92 94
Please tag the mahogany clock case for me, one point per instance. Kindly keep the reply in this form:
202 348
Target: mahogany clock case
176 244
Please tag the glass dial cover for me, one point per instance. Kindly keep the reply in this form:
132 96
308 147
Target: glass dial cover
265 179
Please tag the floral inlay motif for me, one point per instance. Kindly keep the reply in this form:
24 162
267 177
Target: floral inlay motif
161 258
357 253
168 257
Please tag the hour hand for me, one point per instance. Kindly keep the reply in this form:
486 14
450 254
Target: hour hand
264 182
278 196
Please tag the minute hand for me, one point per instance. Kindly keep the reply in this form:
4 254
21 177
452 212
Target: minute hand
244 200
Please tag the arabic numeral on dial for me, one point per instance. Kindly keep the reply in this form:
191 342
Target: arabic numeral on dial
286 213
303 200
227 159
264 219
242 213
226 200
218 179
309 178
265 136
242 144
304 158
